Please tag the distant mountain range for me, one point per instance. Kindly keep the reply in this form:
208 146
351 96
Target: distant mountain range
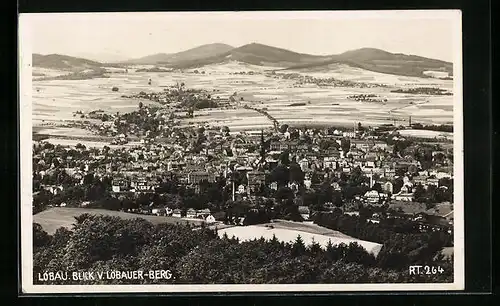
204 51
63 62
258 54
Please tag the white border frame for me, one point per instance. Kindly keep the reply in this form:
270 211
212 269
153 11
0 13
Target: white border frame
25 112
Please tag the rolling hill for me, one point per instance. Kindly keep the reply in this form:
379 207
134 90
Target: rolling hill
366 58
384 62
255 54
63 62
262 55
204 51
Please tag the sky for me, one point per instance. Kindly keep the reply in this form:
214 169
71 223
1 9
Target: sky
120 36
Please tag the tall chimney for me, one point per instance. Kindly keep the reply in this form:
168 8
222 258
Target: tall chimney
233 189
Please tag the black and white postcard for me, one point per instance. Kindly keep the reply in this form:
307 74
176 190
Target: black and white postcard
241 151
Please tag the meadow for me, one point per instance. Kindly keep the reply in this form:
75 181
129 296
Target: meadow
56 217
247 233
57 100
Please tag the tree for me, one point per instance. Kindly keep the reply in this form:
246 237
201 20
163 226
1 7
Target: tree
284 193
225 130
378 187
345 144
200 130
80 146
40 237
296 173
360 127
283 128
280 174
141 105
299 247
337 199
397 184
357 177
419 193
285 158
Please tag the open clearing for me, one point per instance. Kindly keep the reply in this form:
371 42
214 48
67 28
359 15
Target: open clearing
246 233
308 227
56 217
426 134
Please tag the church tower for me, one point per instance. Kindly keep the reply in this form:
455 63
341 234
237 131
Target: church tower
262 145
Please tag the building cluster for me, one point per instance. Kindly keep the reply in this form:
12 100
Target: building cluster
243 162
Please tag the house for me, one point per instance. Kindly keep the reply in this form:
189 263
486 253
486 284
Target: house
375 218
372 197
120 185
195 177
210 219
332 152
422 180
349 134
176 213
355 153
307 183
143 185
304 164
293 186
330 162
255 179
158 211
274 186
389 173
405 194
53 189
241 189
302 147
191 213
387 187
432 181
304 212
275 145
283 146
203 213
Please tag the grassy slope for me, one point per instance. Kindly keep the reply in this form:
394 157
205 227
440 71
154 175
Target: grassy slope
63 62
383 62
53 218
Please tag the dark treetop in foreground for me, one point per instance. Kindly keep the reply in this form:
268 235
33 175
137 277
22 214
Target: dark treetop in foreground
103 243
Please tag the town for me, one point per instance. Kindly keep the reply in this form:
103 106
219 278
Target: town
211 173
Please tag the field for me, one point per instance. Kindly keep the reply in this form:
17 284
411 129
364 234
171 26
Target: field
308 227
55 101
56 217
426 134
287 234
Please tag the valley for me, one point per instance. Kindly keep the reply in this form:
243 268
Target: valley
314 95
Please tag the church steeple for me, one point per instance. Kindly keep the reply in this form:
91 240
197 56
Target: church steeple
262 148
262 144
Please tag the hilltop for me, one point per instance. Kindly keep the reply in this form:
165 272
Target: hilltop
371 59
382 61
255 54
193 54
63 62
366 58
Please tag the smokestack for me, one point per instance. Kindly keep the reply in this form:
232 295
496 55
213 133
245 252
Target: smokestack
409 122
233 189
